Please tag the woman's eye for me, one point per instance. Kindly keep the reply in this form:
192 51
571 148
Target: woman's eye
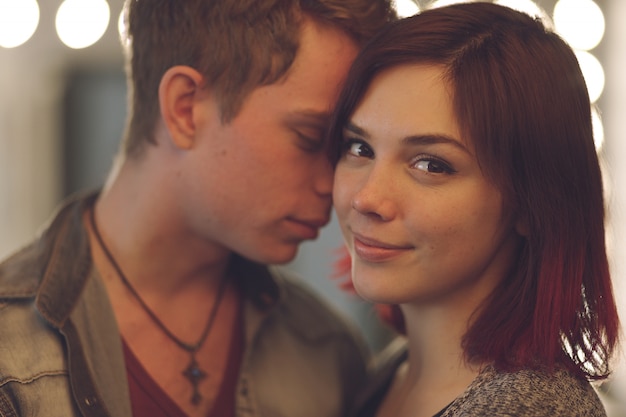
357 148
434 166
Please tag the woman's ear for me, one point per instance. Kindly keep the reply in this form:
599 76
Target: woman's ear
178 92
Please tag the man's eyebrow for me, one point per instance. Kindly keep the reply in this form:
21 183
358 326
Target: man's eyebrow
309 118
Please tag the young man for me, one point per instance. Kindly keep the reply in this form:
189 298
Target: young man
151 297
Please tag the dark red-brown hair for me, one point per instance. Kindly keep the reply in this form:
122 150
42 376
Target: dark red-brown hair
521 99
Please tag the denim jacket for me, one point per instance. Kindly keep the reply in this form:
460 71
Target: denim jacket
61 352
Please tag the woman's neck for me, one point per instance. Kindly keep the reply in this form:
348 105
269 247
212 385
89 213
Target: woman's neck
436 371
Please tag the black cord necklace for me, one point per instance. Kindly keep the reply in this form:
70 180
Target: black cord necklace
193 372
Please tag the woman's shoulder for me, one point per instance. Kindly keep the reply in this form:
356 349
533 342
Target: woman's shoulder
532 393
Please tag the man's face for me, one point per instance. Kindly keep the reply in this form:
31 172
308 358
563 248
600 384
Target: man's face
262 184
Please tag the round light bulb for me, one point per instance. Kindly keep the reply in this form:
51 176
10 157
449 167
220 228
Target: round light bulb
442 3
530 8
81 23
598 129
406 8
593 72
580 22
18 21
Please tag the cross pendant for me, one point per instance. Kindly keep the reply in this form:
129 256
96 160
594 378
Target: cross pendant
195 374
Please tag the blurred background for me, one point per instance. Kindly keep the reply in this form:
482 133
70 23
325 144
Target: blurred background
63 106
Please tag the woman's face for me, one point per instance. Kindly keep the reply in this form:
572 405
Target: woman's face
421 221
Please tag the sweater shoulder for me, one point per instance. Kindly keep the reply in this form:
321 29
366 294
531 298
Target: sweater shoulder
528 393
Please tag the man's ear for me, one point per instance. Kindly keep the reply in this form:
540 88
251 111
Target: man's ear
521 226
178 91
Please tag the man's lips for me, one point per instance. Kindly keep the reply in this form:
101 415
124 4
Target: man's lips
374 250
308 228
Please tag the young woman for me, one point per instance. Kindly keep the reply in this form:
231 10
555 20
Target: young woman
469 193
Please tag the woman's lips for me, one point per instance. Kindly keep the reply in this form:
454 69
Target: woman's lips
373 250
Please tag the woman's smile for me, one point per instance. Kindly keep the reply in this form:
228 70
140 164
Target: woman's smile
372 250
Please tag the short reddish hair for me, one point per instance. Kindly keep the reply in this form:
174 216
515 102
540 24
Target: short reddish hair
520 96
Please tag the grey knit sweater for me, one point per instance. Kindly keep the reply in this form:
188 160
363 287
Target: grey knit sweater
526 393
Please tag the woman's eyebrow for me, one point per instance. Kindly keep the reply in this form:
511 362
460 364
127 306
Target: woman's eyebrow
351 127
433 139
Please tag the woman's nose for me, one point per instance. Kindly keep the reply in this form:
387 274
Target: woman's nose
376 198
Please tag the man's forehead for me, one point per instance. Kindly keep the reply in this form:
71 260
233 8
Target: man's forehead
309 117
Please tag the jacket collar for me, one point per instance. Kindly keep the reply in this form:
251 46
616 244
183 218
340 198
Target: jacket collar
42 269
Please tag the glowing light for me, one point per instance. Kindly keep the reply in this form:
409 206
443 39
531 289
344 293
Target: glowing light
580 22
442 3
598 129
406 8
530 8
122 28
81 23
593 72
18 21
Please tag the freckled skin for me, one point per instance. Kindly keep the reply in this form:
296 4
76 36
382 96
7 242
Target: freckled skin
255 185
426 195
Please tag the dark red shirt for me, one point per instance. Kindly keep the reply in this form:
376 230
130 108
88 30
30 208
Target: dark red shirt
149 400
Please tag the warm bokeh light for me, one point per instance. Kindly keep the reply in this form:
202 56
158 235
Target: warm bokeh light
580 22
593 73
81 23
18 21
442 3
122 28
406 8
530 8
598 129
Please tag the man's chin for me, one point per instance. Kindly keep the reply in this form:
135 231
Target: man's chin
279 255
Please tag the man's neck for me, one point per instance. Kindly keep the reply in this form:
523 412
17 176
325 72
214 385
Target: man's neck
143 227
